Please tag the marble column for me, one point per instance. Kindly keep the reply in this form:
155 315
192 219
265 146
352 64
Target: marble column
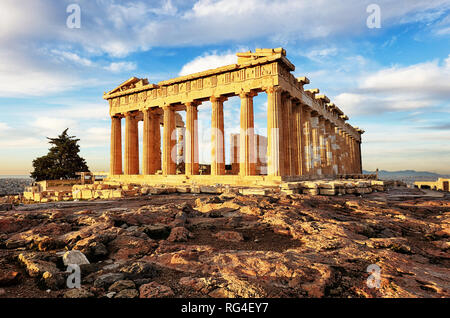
354 157
297 138
346 153
247 149
328 145
350 154
315 136
286 133
147 144
334 149
217 136
234 148
169 142
131 144
343 152
116 146
181 144
359 158
307 161
191 151
275 161
322 145
155 128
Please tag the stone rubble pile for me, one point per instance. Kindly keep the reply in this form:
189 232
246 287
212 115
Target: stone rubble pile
108 191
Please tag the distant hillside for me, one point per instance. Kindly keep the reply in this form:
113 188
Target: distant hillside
405 174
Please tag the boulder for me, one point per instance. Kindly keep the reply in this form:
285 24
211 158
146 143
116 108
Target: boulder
9 278
157 231
155 290
127 293
253 191
179 234
35 266
52 280
126 247
106 280
78 293
74 257
139 270
230 236
121 285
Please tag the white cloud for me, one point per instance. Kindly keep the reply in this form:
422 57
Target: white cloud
81 111
22 142
95 137
72 57
428 77
317 55
121 67
208 61
3 127
52 125
413 87
119 28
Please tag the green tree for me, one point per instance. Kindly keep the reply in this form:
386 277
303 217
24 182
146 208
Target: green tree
62 160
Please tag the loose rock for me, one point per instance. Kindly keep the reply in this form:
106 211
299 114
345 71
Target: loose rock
155 290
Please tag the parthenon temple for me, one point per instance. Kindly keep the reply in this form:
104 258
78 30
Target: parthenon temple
307 135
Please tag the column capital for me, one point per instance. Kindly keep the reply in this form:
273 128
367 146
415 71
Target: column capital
130 114
219 98
314 113
273 89
308 110
193 103
244 94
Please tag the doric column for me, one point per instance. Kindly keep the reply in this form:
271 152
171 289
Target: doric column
350 154
234 148
116 146
286 135
147 144
322 145
191 151
315 135
328 145
274 126
343 152
360 158
297 138
217 136
354 155
169 142
155 124
346 154
307 160
337 151
247 149
181 145
334 150
131 144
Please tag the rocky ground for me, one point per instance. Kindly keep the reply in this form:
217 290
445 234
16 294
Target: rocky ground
186 245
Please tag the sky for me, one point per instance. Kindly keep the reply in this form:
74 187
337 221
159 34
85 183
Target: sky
392 80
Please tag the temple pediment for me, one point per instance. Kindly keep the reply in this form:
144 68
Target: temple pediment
131 83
